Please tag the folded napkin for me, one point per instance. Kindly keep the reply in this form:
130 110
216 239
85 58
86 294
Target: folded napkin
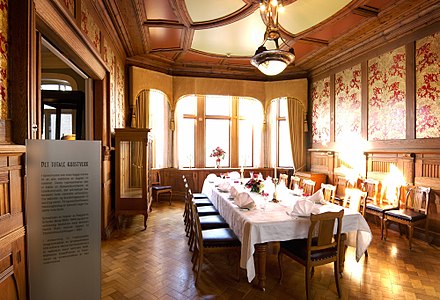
244 200
317 197
304 207
224 186
235 190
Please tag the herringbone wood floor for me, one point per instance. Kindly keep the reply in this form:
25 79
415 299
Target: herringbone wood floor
155 264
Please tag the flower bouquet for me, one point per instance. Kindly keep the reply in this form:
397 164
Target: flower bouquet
255 184
219 154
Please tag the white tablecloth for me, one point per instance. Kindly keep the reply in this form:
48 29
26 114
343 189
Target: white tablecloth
274 224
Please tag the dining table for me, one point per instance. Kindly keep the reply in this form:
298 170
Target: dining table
272 221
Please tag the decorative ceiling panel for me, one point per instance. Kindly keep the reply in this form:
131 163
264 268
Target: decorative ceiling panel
304 14
159 10
241 38
337 28
218 37
165 38
207 10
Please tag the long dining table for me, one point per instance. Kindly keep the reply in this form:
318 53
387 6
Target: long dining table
256 227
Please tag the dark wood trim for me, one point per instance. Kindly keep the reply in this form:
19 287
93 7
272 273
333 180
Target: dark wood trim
20 75
410 91
59 27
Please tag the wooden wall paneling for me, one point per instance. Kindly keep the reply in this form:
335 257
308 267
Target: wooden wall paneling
12 223
196 177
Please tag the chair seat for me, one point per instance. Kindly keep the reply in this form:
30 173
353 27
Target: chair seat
202 202
213 222
220 237
199 196
378 208
161 187
207 211
298 248
406 214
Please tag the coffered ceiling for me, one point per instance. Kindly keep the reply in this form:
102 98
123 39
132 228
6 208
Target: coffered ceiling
217 38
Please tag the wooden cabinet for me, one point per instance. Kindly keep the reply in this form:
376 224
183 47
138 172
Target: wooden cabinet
316 177
133 176
12 226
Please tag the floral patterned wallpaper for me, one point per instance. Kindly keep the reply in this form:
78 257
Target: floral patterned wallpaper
89 26
3 59
428 87
70 5
386 96
321 111
120 99
348 103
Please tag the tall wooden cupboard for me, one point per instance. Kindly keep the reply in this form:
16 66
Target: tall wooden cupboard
133 172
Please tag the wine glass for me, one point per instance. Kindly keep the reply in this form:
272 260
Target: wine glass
265 198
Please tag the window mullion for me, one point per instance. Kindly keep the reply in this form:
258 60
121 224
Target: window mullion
199 140
234 133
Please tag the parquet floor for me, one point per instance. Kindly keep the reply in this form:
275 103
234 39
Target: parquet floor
155 264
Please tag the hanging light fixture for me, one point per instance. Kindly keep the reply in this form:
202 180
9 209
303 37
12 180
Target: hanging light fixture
273 61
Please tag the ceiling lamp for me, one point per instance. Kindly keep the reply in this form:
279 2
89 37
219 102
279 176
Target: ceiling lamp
273 61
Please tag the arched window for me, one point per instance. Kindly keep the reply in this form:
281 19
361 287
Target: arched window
231 123
55 85
152 111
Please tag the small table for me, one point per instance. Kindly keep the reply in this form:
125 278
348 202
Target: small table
255 227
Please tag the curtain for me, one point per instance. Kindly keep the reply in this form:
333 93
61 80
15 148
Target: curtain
141 110
139 120
295 111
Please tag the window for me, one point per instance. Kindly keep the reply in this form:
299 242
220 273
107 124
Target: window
158 122
231 123
281 151
55 85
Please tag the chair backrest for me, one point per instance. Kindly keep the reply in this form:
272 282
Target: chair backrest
290 173
322 228
355 200
294 182
308 186
234 175
371 186
329 191
390 195
417 198
155 177
283 179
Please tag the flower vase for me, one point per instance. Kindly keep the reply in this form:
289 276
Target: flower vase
217 163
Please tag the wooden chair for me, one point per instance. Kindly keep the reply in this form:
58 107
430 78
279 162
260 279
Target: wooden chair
202 200
157 188
218 240
355 200
283 179
378 203
413 213
329 191
318 249
309 186
294 182
341 186
208 221
204 207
